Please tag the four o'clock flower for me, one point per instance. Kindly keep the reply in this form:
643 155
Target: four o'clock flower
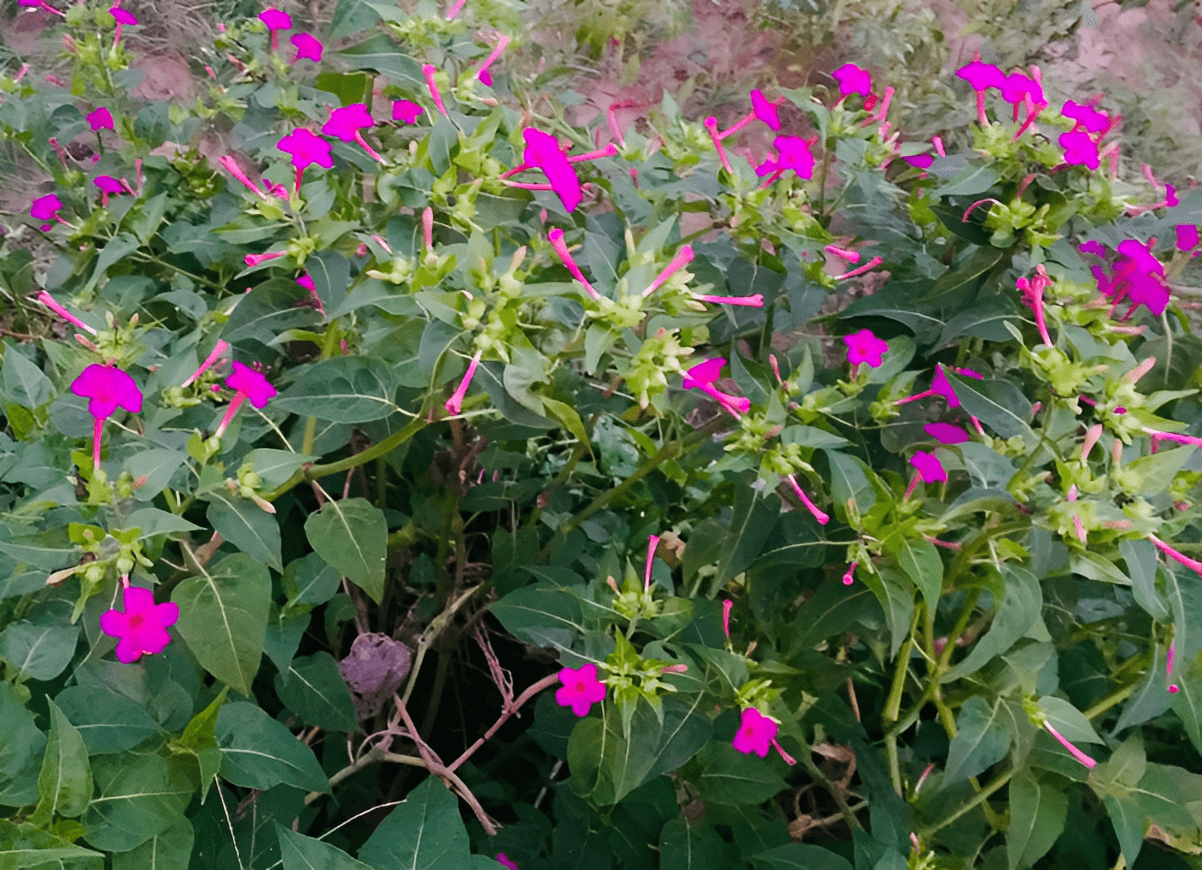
106 389
928 467
543 152
555 236
48 300
852 80
501 859
864 347
946 433
218 351
580 690
276 20
981 77
794 153
247 384
455 403
652 543
484 74
142 625
100 119
429 71
1032 291
1168 669
46 208
253 260
764 110
757 733
306 148
683 257
307 47
822 517
122 17
702 377
1076 753
406 110
347 124
108 185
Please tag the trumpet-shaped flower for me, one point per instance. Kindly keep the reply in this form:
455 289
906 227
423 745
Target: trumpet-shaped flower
765 110
702 377
864 347
794 153
1079 149
46 208
122 16
106 389
946 433
108 185
505 862
142 626
929 467
307 47
100 119
756 733
455 404
542 151
1073 750
276 20
306 148
1088 118
580 690
247 384
348 123
48 300
981 77
406 110
853 80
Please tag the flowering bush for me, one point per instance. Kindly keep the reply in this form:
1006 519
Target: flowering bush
482 410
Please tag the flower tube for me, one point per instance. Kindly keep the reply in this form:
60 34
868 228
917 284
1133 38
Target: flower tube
247 384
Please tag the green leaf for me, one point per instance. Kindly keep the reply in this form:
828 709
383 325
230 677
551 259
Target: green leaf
920 561
999 404
137 797
352 536
107 720
981 740
1068 720
424 832
167 850
750 525
1017 615
542 614
28 845
223 618
269 310
117 249
686 845
41 652
731 777
380 53
973 180
1129 828
314 689
1037 814
966 272
1151 696
65 783
276 466
22 748
310 580
569 419
200 738
1140 558
23 382
849 481
299 852
348 389
249 528
259 752
833 609
1183 589
800 856
896 598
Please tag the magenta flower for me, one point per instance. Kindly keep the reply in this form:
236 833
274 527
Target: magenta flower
46 208
122 16
276 20
727 605
821 516
765 110
247 384
1187 237
484 75
100 119
683 257
580 690
306 148
946 433
108 185
106 389
307 47
218 351
981 77
1137 275
1168 669
406 110
253 260
1087 117
852 80
455 404
542 151
864 347
929 467
48 300
347 124
429 70
555 237
702 377
793 152
505 862
1079 149
1076 753
142 626
1032 290
652 543
756 733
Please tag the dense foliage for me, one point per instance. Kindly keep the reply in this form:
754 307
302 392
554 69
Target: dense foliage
422 480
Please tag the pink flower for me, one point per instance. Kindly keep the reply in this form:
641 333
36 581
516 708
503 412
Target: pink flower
929 467
307 47
765 110
864 347
1079 149
455 404
48 300
142 627
406 110
793 152
106 389
1187 237
484 75
756 733
121 16
702 376
580 690
1086 117
218 351
253 260
46 208
306 148
542 151
981 77
683 257
247 384
100 119
727 605
107 185
852 80
946 433
652 543
821 516
1076 753
505 862
276 21
347 124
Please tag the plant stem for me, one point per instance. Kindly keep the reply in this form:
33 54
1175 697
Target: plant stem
977 799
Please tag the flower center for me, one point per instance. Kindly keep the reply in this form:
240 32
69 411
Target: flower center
136 620
580 685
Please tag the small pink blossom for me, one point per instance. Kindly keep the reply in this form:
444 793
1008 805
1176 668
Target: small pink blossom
543 152
276 20
852 80
406 110
455 404
106 389
946 433
49 301
307 47
1073 750
142 626
727 605
46 208
1187 237
1079 149
864 347
247 384
306 148
100 119
756 733
253 260
505 862
929 467
218 351
580 690
702 376
793 153
122 16
765 110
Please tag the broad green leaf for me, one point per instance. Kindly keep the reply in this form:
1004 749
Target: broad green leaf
920 561
1017 614
1151 696
153 521
686 845
41 652
1129 827
961 275
1187 703
849 481
1140 558
310 580
1068 720
896 597
731 777
568 418
158 465
22 381
986 319
276 466
223 618
981 740
750 525
138 796
28 845
973 180
65 783
833 609
541 614
267 311
1184 592
1037 814
314 689
200 739
625 763
245 525
800 856
1001 405
107 720
167 850
259 752
425 832
349 389
22 748
299 852
352 535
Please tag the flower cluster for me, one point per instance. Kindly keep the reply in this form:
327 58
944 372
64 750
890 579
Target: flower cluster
1136 275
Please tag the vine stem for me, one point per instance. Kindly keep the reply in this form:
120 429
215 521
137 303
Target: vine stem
977 799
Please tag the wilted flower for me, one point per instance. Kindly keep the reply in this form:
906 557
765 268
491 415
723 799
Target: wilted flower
142 626
580 690
484 74
218 351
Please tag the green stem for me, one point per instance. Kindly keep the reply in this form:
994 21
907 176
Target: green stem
976 800
559 480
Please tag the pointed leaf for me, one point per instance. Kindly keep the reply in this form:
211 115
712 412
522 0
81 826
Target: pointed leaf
1017 614
314 689
241 522
920 560
424 832
981 740
138 796
259 752
352 535
349 389
691 845
168 850
299 852
65 783
1037 815
800 856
